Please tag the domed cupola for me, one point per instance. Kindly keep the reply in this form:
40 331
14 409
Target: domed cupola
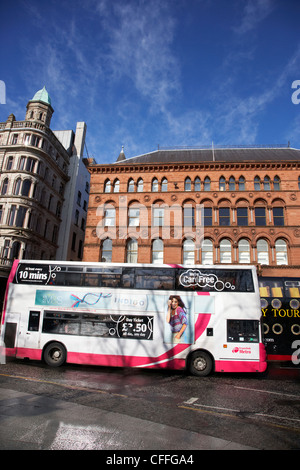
39 108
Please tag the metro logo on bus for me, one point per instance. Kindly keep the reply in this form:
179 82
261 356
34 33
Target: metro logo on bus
194 277
243 350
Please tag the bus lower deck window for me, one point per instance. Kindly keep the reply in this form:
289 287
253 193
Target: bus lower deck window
242 331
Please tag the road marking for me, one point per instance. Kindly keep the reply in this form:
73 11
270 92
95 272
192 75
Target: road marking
236 417
192 401
266 391
220 410
218 413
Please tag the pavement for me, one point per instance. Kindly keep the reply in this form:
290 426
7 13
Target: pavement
32 422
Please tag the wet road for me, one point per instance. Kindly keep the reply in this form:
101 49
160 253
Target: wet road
259 411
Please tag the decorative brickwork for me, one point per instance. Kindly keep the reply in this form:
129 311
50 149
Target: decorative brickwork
240 207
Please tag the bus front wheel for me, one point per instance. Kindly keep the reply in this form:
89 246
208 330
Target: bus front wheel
200 363
55 354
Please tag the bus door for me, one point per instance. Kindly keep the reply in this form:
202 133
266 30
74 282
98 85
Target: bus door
11 333
30 334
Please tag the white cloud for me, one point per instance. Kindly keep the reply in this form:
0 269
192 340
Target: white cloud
238 117
254 12
191 127
140 35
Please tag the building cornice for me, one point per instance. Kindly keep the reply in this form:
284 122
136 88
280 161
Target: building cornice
185 166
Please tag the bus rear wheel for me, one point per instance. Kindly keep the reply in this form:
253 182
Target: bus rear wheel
200 363
55 354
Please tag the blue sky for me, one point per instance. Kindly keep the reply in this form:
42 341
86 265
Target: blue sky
143 73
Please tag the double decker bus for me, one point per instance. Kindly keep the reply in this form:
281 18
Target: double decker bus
126 315
280 306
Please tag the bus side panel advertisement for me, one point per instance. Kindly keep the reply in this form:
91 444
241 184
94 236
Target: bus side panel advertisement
139 303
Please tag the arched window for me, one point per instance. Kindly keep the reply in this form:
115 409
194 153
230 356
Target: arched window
188 252
30 164
131 186
107 186
207 251
188 184
109 216
140 185
132 251
164 185
257 185
197 184
26 188
157 251
222 184
9 163
231 183
116 186
133 216
19 221
225 251
154 186
15 251
106 250
188 215
281 252
244 251
12 215
158 214
4 187
17 187
276 183
267 184
206 183
241 183
262 251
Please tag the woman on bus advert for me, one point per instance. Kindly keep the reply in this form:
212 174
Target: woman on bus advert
176 317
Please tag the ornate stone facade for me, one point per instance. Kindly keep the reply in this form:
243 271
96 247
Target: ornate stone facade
36 172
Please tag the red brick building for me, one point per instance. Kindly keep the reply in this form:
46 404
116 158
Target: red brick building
207 206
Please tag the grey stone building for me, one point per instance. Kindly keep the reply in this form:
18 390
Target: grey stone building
44 187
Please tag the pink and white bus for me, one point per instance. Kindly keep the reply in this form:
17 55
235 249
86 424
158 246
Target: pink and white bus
132 315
